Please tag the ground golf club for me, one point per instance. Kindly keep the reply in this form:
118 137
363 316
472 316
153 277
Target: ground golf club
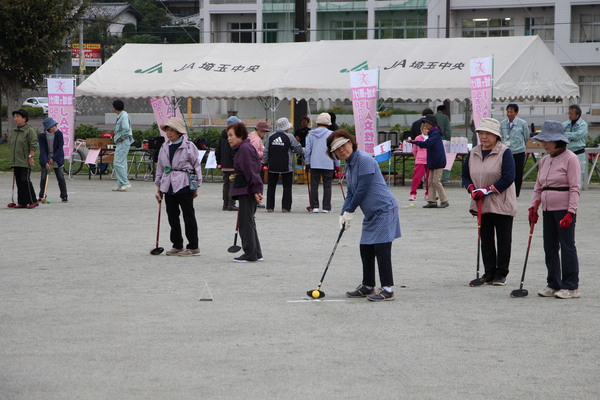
12 201
477 281
235 248
157 250
308 208
44 199
318 289
520 292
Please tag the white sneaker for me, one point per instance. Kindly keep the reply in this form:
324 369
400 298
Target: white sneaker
116 189
124 188
547 292
315 211
188 252
326 211
567 294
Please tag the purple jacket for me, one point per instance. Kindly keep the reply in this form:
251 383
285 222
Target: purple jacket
246 165
562 171
185 158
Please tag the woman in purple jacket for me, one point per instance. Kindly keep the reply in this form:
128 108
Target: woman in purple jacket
557 187
247 189
178 176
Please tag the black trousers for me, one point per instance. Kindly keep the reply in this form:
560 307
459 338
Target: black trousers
519 166
383 253
60 178
227 200
185 201
315 177
563 271
247 227
25 191
286 200
496 258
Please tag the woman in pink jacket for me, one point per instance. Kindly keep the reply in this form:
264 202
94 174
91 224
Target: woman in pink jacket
557 186
420 168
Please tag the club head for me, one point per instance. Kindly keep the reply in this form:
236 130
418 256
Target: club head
309 293
234 249
44 200
477 282
519 293
156 251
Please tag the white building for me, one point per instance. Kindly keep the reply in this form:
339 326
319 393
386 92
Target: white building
570 28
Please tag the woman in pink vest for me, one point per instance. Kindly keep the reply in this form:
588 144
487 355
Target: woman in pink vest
489 175
557 187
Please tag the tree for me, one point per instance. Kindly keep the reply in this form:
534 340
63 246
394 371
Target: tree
32 34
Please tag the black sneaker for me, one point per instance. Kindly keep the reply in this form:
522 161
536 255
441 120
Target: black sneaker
500 281
361 291
65 200
484 280
431 204
232 208
244 259
383 295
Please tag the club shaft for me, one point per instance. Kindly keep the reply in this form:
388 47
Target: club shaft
331 256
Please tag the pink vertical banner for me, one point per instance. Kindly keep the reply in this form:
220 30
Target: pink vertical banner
163 111
61 107
482 80
365 92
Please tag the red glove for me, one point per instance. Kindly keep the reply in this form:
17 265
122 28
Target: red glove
337 173
265 167
566 221
219 166
533 216
480 193
470 188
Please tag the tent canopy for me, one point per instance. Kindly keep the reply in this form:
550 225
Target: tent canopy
411 69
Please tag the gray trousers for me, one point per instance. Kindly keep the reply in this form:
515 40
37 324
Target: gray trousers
247 226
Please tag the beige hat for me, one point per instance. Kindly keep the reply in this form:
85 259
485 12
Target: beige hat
175 123
324 119
490 125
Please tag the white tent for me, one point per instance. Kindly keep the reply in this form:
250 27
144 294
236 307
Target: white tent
411 69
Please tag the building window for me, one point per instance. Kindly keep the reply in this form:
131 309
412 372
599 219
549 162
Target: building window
590 28
270 32
487 27
242 32
349 30
543 27
401 28
590 89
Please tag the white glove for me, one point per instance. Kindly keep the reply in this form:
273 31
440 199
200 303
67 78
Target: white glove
345 219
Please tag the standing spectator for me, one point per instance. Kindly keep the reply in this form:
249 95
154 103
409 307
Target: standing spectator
333 126
488 174
177 164
319 164
381 223
444 125
24 145
224 156
52 156
302 132
515 133
436 161
247 188
256 137
415 128
576 130
557 187
123 139
420 169
279 161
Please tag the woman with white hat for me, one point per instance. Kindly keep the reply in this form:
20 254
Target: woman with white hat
178 176
489 175
557 187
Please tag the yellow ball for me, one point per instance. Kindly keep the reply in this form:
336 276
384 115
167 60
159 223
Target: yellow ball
315 294
412 205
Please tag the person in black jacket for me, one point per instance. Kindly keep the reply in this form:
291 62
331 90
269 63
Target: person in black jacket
52 156
224 155
279 160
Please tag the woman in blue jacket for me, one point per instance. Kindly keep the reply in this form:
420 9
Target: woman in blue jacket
381 223
52 155
436 161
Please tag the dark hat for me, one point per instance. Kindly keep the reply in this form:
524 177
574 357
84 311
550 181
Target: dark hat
49 123
22 113
430 119
552 131
262 126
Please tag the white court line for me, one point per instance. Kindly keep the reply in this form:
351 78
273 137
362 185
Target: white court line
309 300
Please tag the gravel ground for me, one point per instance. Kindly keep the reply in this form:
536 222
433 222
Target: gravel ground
87 313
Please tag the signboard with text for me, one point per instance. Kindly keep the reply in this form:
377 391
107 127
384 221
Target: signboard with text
365 92
163 111
61 107
482 81
91 51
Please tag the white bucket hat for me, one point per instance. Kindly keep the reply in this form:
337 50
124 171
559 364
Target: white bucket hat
324 119
175 123
490 125
282 124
